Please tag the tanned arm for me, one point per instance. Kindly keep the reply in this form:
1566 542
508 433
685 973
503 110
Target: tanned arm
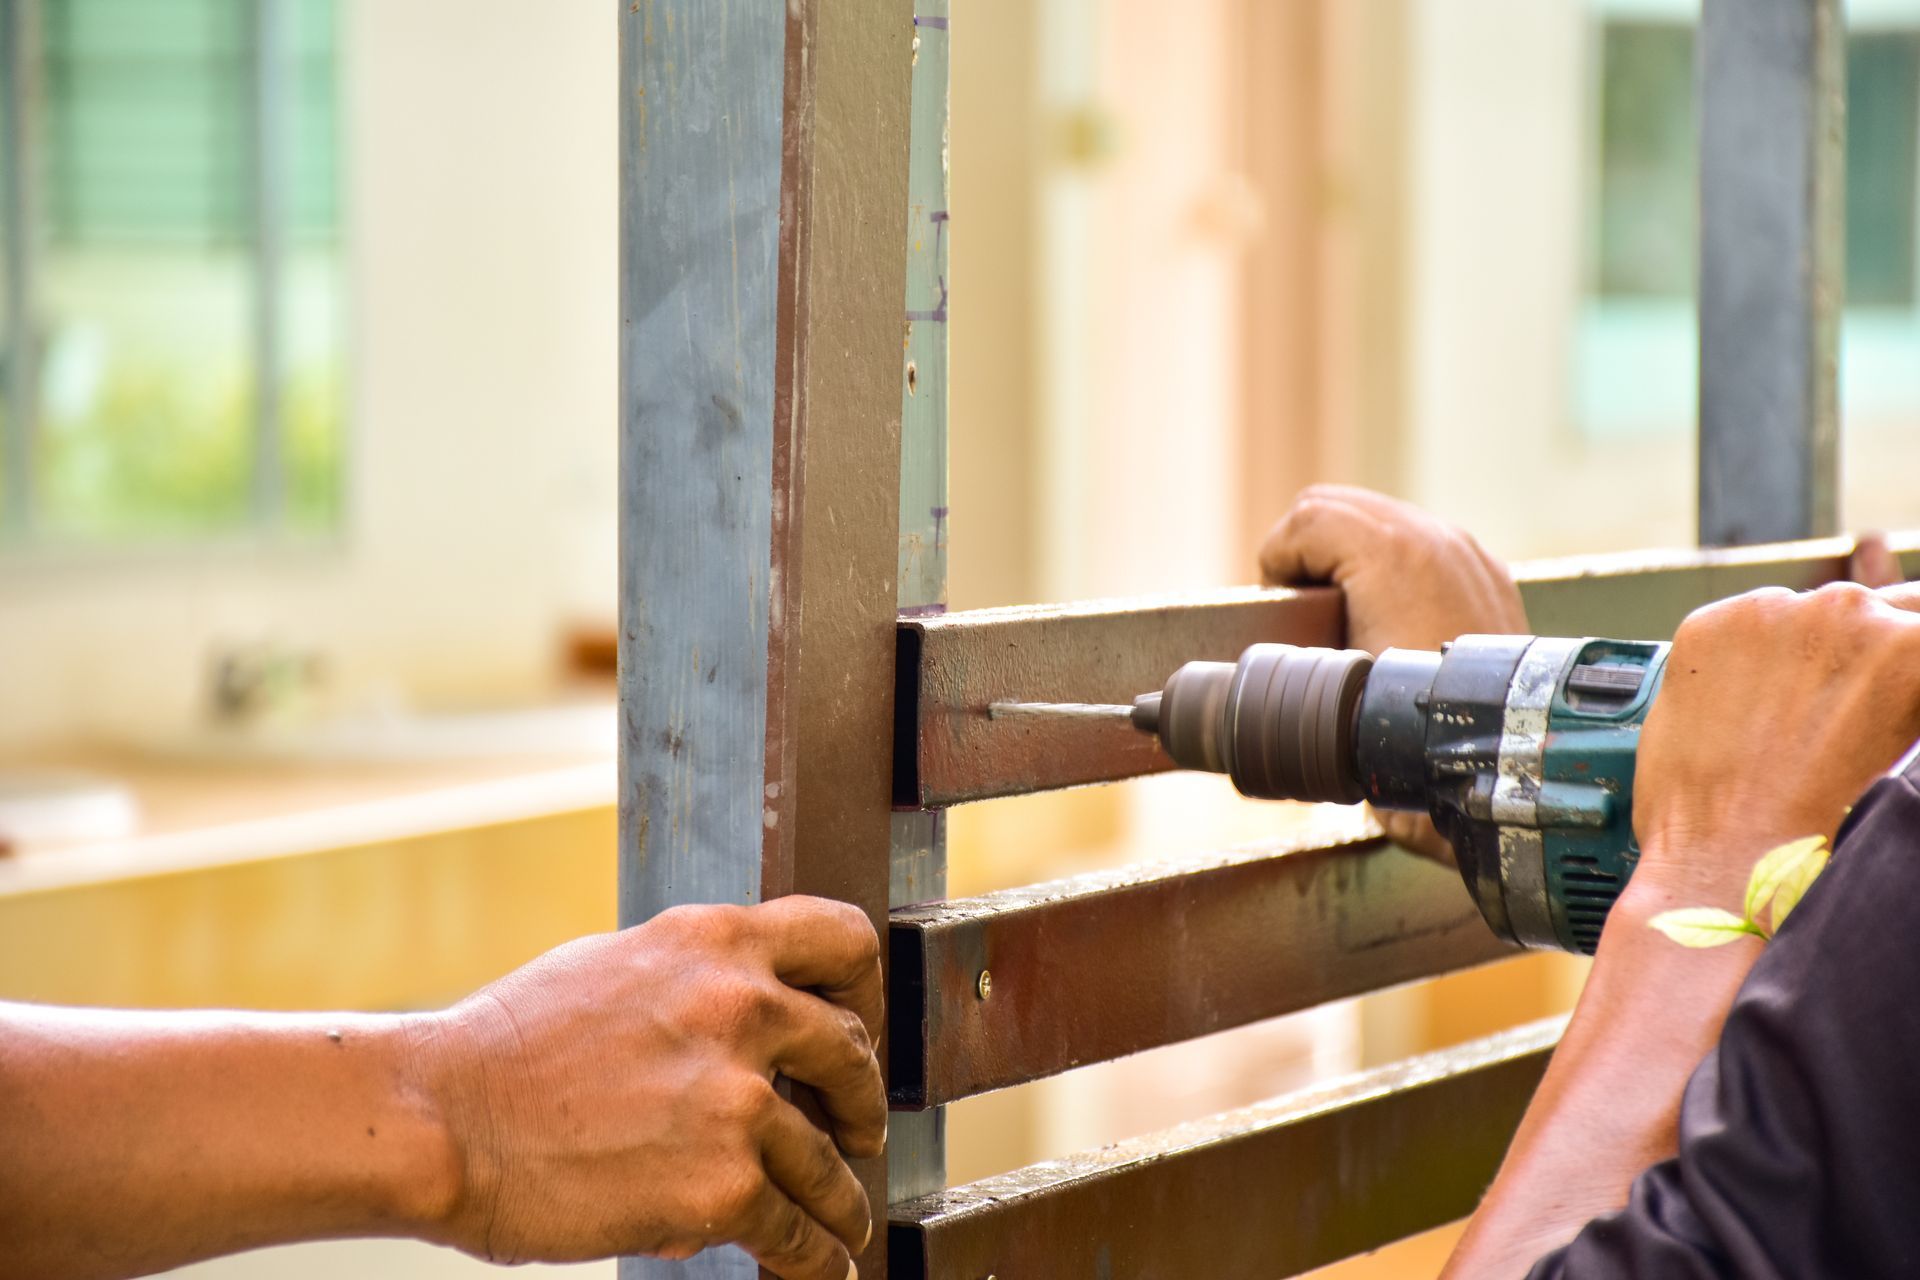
137 1142
615 1096
1776 713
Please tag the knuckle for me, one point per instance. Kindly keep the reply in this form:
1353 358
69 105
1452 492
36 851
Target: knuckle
859 929
828 1180
853 1036
743 1101
1310 508
795 1239
1846 601
734 1197
740 1007
1710 622
717 926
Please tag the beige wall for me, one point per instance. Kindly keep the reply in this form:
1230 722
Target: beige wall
481 183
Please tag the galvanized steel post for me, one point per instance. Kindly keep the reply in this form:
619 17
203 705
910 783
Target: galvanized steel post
916 1160
1772 105
764 163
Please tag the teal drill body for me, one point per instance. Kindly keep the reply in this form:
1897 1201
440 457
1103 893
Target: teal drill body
1529 747
1521 749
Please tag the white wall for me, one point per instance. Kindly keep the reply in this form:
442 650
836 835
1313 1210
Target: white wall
481 183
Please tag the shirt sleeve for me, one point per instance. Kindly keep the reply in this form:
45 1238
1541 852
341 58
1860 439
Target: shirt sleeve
1799 1143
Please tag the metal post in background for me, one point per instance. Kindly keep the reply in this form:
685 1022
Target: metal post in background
268 87
916 1155
763 172
17 92
1772 106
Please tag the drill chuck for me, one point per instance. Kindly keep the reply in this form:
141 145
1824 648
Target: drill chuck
1280 722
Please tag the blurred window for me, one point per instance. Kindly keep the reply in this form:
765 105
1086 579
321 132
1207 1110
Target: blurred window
172 348
1636 331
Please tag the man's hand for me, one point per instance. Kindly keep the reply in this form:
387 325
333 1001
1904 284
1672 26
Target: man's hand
1412 581
614 1096
1777 711
617 1096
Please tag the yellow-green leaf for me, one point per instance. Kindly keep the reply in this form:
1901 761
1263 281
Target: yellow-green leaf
1702 926
1795 884
1774 870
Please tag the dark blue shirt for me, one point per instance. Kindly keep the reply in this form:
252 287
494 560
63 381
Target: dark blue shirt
1800 1133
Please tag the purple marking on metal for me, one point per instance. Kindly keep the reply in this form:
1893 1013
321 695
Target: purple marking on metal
939 515
922 610
938 215
939 313
938 24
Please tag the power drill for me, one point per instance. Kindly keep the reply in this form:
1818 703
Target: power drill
1521 748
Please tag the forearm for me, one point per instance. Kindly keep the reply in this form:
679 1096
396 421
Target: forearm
1609 1105
132 1142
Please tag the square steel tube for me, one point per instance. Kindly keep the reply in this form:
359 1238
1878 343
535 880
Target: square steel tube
1271 1190
1111 963
952 668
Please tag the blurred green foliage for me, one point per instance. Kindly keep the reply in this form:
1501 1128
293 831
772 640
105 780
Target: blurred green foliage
153 462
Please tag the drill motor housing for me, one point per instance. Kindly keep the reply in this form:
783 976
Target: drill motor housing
1520 748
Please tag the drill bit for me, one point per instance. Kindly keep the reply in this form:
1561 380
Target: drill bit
1058 711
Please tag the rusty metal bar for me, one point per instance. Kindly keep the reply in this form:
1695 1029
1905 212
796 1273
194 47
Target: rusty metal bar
951 668
1644 595
1108 964
1271 1190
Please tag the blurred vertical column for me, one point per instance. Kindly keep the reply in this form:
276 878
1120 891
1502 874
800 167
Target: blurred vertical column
269 86
21 364
1772 97
916 1158
763 176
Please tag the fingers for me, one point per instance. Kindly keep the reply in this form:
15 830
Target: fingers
784 1240
803 1163
1415 833
830 947
1906 596
1315 539
827 1048
1873 563
1374 503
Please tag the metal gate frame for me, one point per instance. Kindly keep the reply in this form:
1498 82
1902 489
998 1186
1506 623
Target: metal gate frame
797 709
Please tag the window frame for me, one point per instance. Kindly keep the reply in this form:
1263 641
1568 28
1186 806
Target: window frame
268 49
1657 336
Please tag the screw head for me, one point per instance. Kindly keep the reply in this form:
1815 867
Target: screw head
985 989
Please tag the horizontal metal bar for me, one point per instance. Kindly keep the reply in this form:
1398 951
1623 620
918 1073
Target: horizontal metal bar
952 668
1107 964
1272 1190
1643 595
